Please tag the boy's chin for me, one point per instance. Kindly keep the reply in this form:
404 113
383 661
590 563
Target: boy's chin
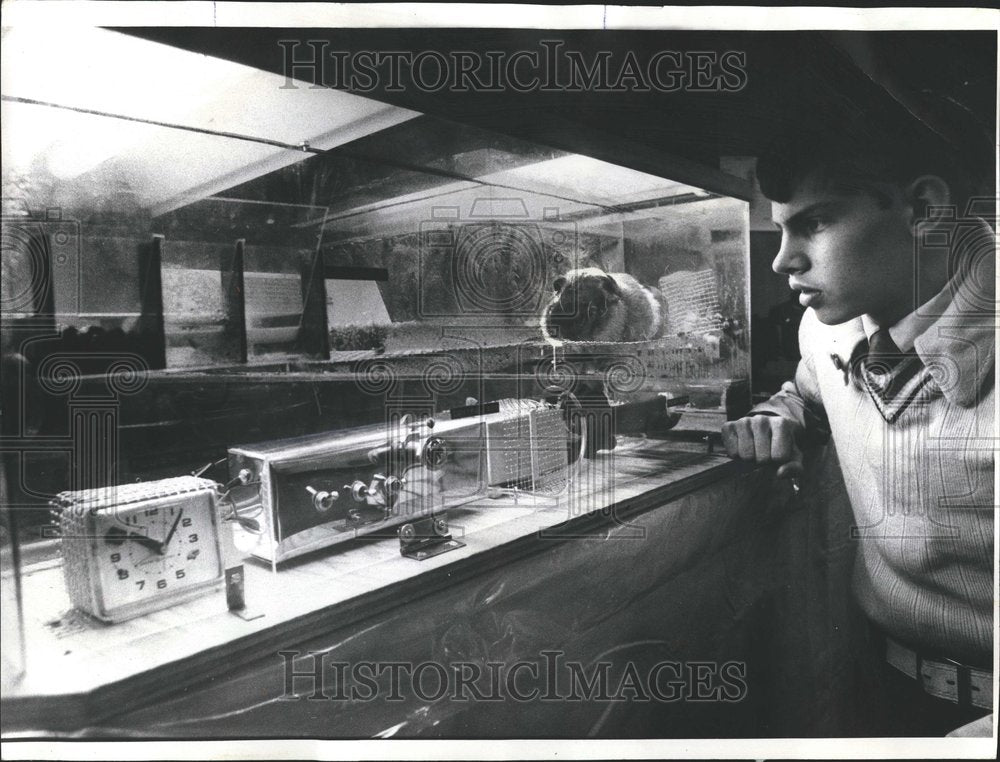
831 315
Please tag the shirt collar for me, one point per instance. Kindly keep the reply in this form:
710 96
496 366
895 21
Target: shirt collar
904 333
954 333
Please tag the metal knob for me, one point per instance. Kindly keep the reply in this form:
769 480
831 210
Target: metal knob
391 487
244 477
435 452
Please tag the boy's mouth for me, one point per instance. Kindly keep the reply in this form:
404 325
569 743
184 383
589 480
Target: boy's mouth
806 295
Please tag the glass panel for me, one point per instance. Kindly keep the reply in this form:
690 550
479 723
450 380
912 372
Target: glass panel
184 274
12 656
436 236
196 238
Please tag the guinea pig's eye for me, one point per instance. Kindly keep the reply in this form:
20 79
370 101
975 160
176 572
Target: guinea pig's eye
558 284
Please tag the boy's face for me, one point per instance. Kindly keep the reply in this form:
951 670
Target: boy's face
845 253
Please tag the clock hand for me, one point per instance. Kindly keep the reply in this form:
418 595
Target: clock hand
146 542
170 534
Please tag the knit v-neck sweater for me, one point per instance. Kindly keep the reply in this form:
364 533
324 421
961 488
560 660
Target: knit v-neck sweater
922 488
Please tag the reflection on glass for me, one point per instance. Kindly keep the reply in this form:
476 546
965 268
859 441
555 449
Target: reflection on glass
202 217
323 225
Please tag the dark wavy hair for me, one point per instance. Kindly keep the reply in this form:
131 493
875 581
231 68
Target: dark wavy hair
868 151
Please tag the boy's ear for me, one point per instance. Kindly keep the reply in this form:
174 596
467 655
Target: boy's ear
927 195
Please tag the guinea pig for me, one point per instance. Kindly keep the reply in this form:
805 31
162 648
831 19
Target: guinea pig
592 305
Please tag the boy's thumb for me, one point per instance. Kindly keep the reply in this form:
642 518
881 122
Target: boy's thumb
791 469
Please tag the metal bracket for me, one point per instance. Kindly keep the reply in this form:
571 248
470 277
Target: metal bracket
426 537
236 594
363 515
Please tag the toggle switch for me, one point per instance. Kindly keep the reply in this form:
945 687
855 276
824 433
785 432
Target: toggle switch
358 490
387 486
323 501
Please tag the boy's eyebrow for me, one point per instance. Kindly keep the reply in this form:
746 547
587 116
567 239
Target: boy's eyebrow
819 206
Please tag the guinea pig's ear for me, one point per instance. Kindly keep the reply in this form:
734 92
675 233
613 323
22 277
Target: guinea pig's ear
610 285
558 283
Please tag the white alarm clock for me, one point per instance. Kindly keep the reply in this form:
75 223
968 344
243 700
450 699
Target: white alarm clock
137 548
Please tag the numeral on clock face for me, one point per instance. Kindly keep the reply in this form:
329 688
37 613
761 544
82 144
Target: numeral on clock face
150 552
133 549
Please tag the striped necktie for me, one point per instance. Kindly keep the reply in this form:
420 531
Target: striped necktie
891 376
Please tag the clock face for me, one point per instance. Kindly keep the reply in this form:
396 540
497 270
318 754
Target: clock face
155 550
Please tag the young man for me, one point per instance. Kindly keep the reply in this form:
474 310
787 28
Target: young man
897 347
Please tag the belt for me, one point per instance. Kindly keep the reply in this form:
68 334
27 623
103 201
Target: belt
941 677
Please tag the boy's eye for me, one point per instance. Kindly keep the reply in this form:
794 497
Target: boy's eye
813 225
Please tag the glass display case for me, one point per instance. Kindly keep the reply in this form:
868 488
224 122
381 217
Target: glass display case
184 276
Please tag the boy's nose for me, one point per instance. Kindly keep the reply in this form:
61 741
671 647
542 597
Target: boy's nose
790 258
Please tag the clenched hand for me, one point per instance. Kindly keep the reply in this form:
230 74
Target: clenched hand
765 439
